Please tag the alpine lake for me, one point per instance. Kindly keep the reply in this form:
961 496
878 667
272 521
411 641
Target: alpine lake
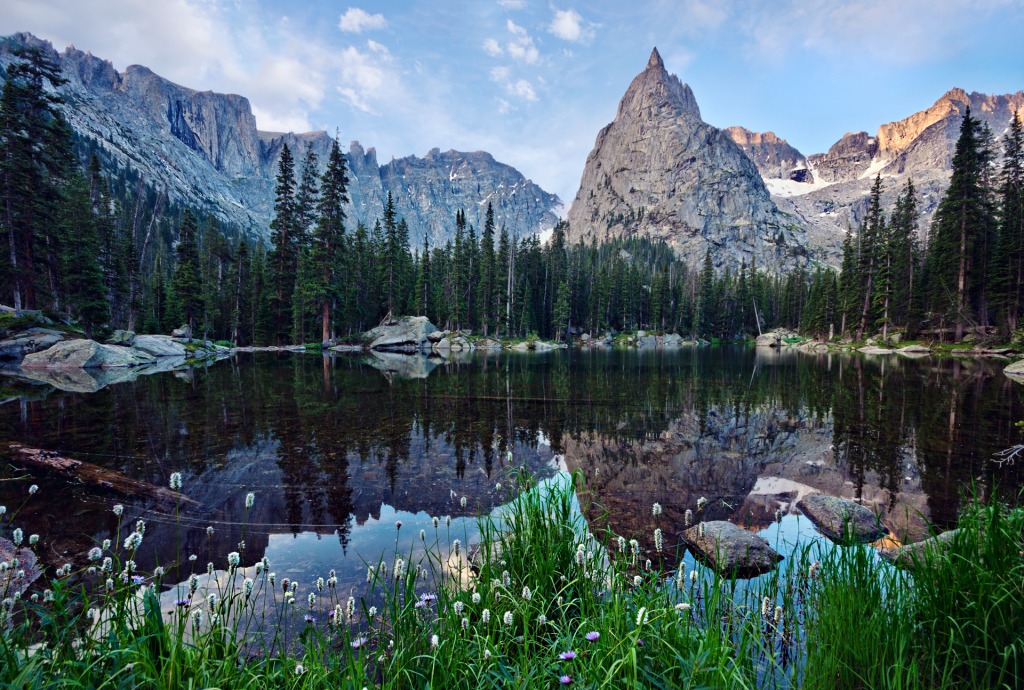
337 448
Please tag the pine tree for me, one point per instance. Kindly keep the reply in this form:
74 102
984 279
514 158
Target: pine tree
285 233
81 273
186 288
35 159
870 243
1007 267
328 240
959 222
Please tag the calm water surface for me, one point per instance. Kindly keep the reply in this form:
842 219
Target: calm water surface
338 448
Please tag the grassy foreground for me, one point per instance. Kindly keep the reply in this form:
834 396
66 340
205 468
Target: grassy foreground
545 605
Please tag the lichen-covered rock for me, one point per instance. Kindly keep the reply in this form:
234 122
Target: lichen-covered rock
660 171
84 354
912 555
488 344
158 346
731 550
121 337
840 519
875 350
407 334
914 350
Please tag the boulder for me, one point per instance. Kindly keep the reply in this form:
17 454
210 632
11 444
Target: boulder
641 334
873 350
521 347
840 519
1015 370
769 340
672 340
647 342
121 337
585 337
84 354
436 336
914 350
158 346
542 345
913 554
184 332
731 550
488 344
408 334
27 342
27 561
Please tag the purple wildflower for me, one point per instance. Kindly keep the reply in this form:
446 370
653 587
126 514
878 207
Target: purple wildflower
419 604
358 642
182 602
309 619
138 579
565 680
428 597
592 635
566 656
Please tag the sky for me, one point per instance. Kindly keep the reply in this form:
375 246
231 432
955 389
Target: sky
533 81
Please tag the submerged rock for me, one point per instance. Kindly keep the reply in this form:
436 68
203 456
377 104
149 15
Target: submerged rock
403 366
1015 370
914 349
408 334
840 519
730 549
84 354
913 554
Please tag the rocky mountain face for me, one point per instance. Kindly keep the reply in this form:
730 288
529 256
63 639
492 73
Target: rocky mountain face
774 157
205 150
834 195
659 170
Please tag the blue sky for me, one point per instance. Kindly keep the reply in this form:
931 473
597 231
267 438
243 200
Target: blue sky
532 81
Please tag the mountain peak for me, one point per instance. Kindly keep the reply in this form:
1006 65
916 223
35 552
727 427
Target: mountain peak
655 61
656 91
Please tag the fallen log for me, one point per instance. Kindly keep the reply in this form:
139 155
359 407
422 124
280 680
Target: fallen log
88 473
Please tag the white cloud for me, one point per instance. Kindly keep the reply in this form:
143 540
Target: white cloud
568 25
504 106
492 47
512 4
523 89
366 77
521 46
356 21
519 88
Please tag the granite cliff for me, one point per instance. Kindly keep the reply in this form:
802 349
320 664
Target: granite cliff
660 171
833 195
205 150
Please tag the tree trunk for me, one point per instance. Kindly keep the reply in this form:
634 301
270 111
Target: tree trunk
961 283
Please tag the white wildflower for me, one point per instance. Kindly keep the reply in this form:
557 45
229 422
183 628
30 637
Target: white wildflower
250 499
657 540
485 616
641 616
508 618
118 510
527 595
656 509
175 482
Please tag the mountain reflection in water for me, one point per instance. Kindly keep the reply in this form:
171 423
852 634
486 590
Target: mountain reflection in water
330 444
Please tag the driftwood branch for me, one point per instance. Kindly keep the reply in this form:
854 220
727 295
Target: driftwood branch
88 473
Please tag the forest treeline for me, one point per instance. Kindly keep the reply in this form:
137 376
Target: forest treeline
95 242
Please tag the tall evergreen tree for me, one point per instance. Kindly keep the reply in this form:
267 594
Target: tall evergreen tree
328 239
1007 268
186 288
285 233
959 222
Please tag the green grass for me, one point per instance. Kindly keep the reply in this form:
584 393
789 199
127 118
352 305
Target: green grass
539 585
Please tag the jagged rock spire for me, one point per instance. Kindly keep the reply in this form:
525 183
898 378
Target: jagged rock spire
655 62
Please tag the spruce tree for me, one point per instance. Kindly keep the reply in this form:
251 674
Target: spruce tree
81 273
1007 265
186 286
285 233
328 240
959 222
